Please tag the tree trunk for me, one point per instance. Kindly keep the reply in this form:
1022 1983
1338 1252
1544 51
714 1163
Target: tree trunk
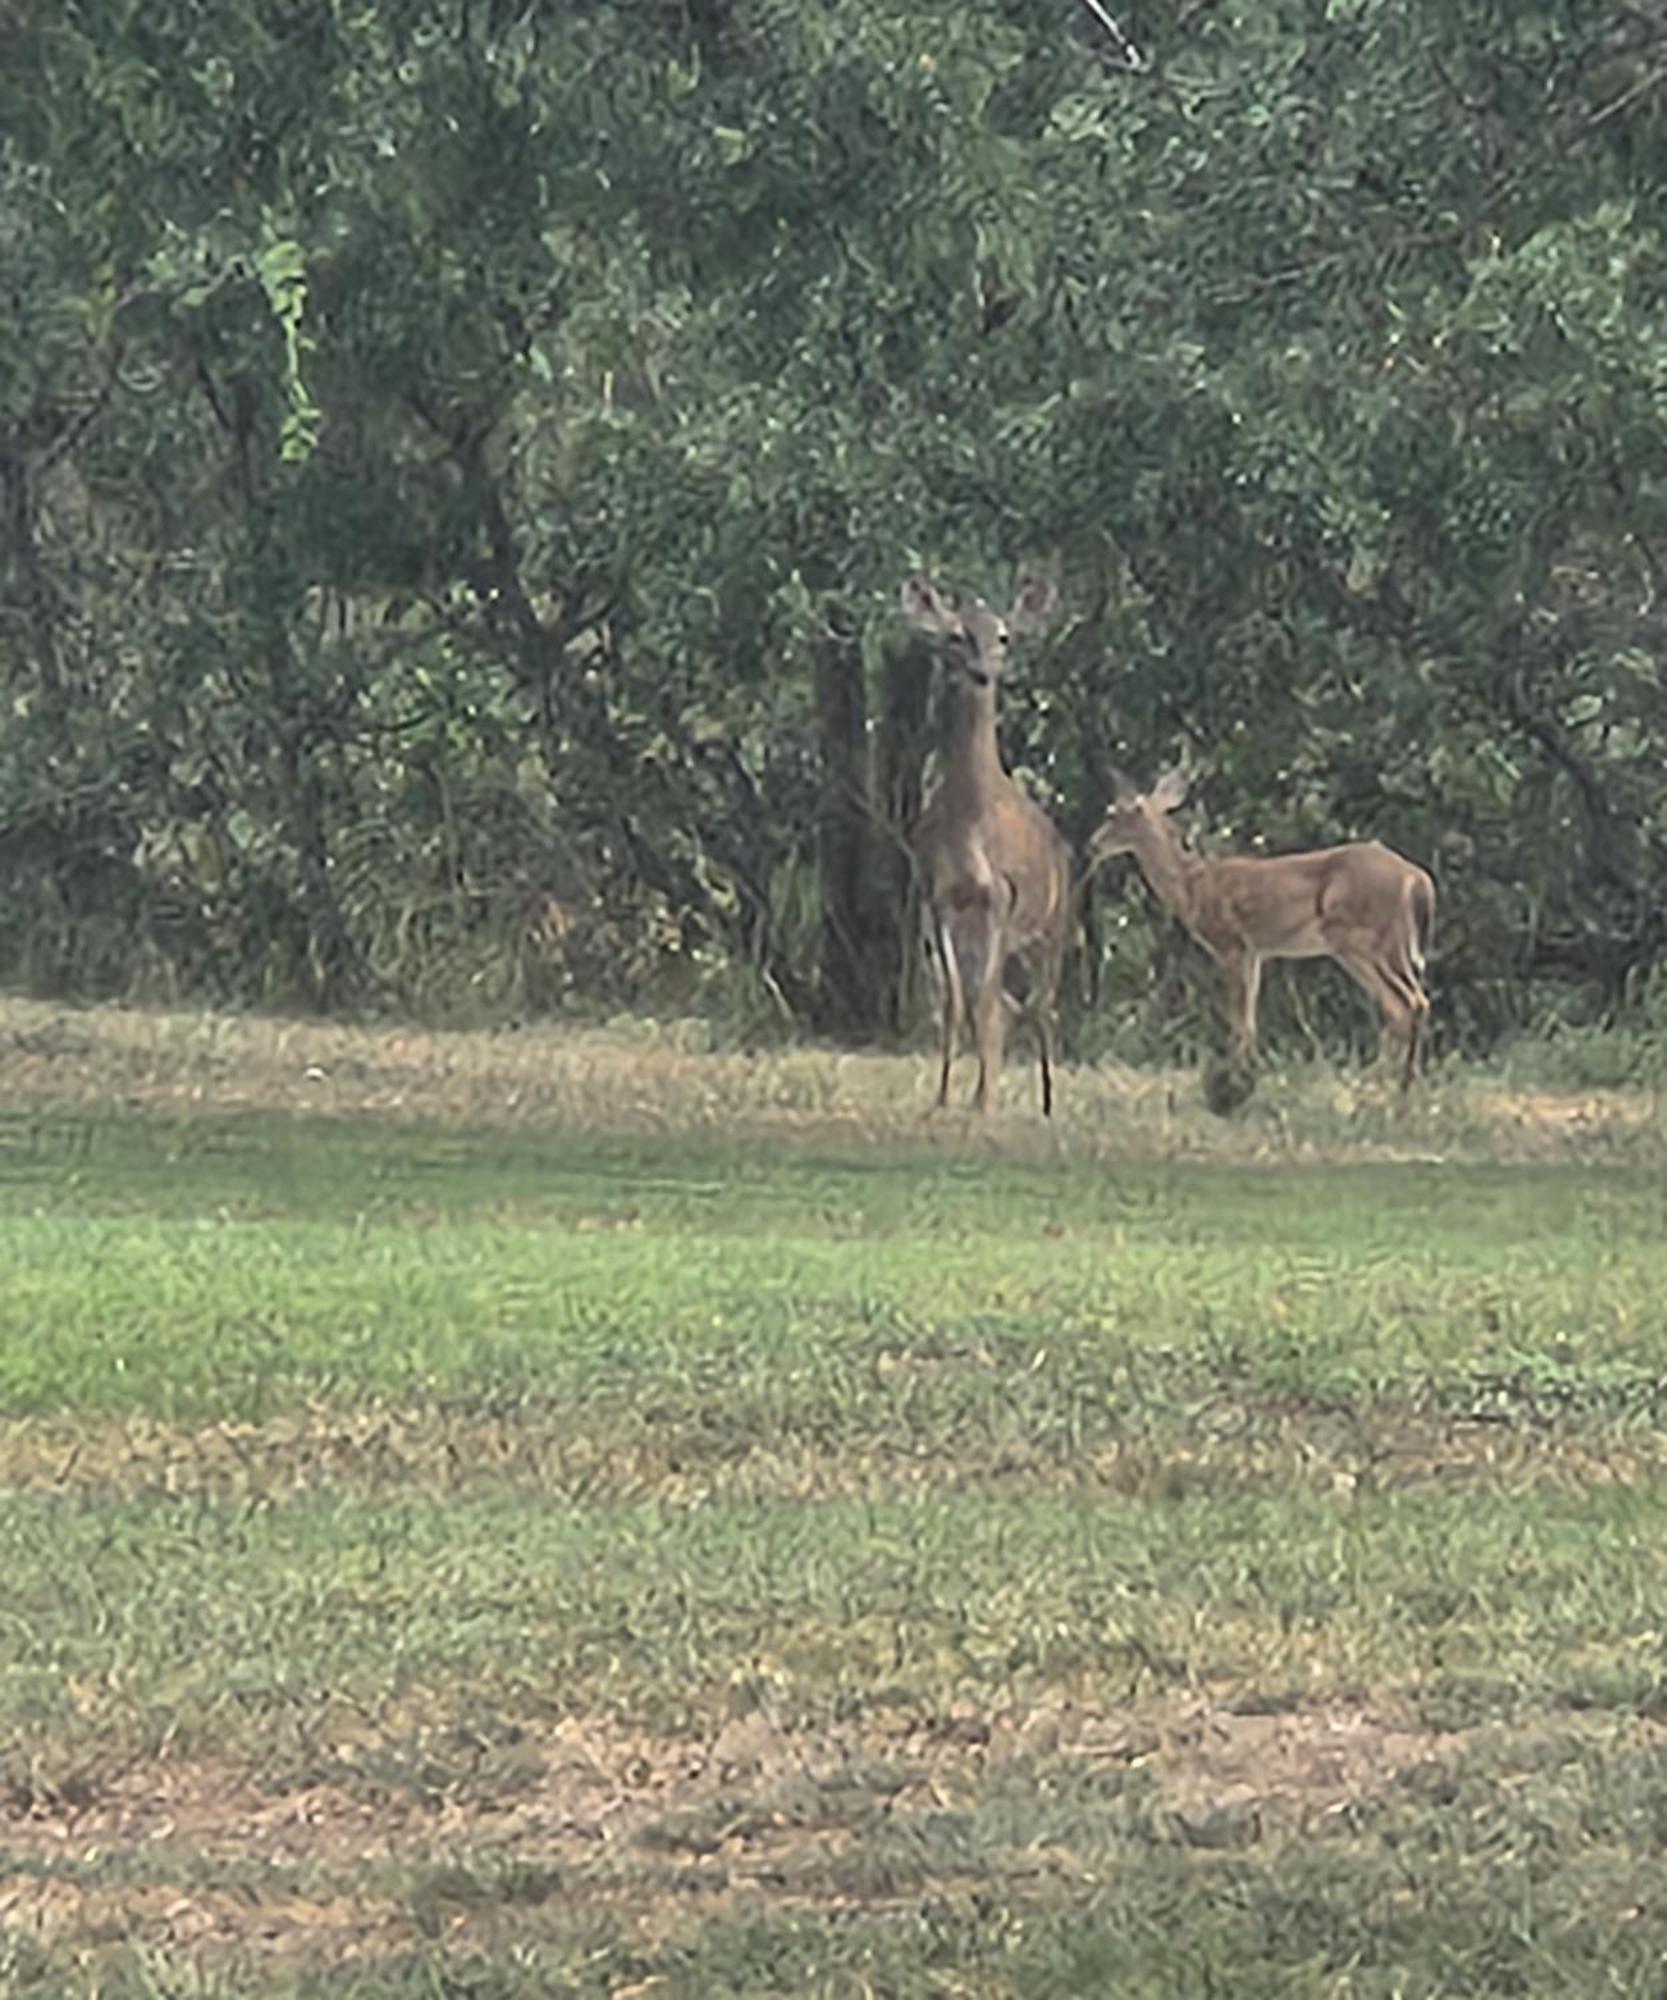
848 1000
34 594
899 785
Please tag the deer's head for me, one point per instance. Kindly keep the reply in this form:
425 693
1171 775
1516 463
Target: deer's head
973 642
1133 816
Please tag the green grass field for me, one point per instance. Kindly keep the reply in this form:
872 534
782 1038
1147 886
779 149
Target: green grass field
578 1515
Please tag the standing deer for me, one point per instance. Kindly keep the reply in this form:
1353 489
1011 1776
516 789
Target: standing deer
1362 905
995 874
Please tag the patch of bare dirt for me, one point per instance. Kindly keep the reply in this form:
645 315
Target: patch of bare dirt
204 1861
1291 1768
1570 1107
1290 1771
592 1783
198 1922
1570 1111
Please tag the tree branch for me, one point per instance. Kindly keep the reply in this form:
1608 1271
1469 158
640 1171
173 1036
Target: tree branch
1129 54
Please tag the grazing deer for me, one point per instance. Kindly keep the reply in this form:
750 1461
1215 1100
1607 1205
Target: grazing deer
1360 904
995 874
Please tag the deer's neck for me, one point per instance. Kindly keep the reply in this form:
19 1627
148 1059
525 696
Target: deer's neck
1172 872
972 758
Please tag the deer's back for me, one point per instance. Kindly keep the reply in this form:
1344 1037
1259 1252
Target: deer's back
1295 905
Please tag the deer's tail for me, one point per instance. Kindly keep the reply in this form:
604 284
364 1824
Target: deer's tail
1421 908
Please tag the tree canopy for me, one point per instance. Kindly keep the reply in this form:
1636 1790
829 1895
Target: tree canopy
457 461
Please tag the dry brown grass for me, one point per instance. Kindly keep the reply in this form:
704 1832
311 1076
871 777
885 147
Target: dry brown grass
662 1827
646 1078
388 1450
652 1821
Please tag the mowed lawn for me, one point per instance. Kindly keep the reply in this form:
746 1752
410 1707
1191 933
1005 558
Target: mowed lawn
491 1557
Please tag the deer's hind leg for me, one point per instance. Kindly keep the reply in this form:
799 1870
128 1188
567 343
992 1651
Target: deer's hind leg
1415 1040
1418 1020
1402 1005
989 1024
1030 992
1043 1005
1044 1037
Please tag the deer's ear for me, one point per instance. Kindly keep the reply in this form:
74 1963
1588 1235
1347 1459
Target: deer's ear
925 609
1124 790
1170 791
1033 608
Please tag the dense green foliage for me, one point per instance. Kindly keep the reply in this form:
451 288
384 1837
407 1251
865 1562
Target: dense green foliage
482 1561
457 461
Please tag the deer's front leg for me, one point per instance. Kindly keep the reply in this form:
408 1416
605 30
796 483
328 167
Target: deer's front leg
1244 983
981 938
949 976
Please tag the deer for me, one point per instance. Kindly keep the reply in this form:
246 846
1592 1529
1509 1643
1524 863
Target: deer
1361 904
993 870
